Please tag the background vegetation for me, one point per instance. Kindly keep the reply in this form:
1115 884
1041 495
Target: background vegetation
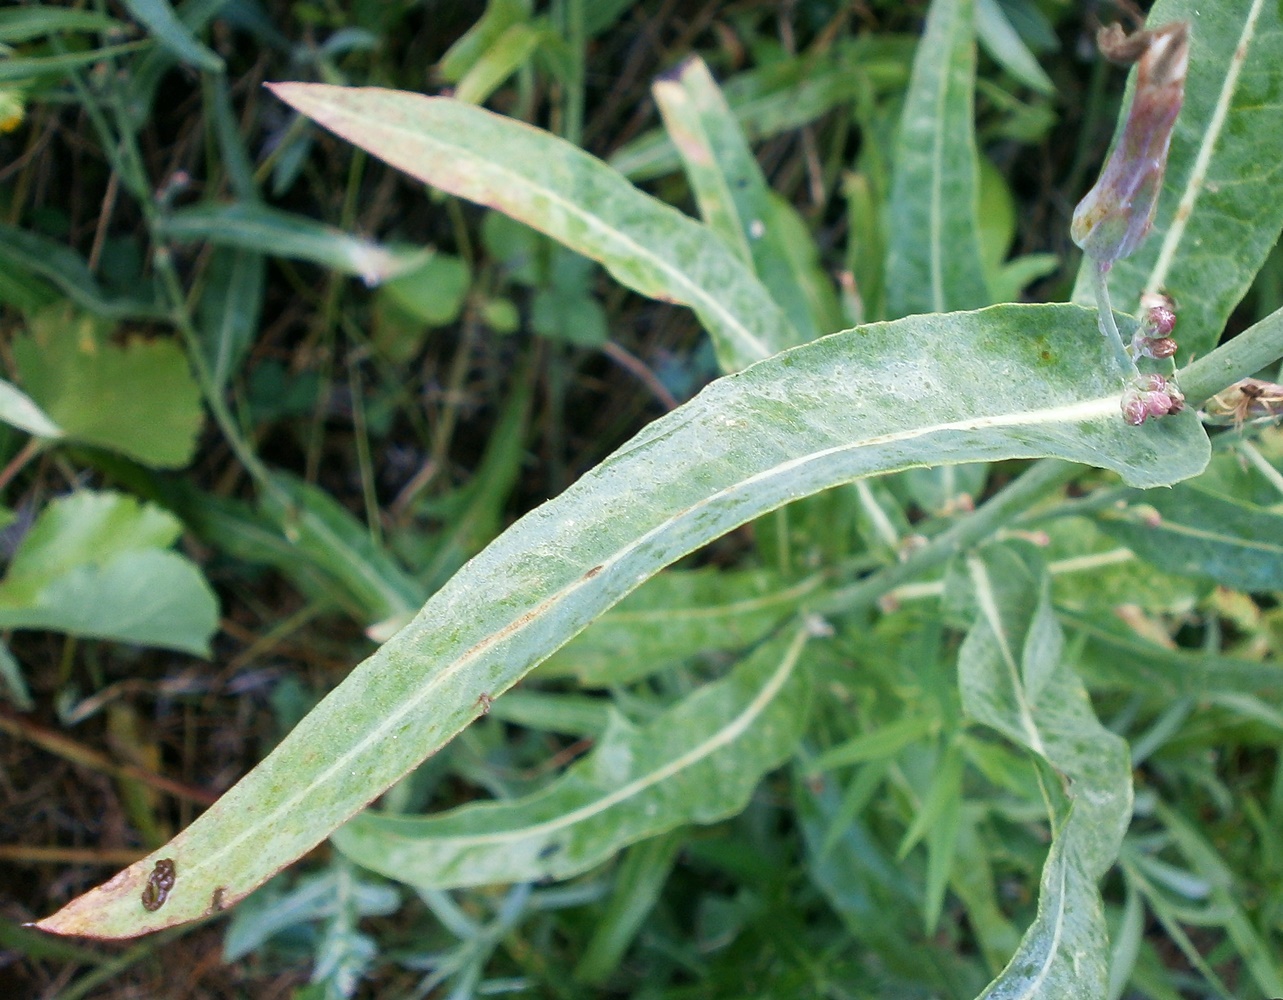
283 396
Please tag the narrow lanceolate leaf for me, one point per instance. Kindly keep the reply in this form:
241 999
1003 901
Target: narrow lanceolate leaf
20 410
1219 212
734 198
1063 955
560 190
934 262
697 763
255 227
676 615
1195 532
1011 381
173 34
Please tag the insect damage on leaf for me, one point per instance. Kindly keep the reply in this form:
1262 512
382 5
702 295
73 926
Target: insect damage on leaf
159 883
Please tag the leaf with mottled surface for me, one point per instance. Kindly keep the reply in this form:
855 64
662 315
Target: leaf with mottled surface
1014 641
1016 382
557 188
698 762
1219 212
934 261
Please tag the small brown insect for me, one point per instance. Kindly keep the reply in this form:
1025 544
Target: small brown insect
159 882
1244 402
484 701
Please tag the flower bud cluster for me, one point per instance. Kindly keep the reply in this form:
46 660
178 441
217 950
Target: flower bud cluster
1158 320
1151 396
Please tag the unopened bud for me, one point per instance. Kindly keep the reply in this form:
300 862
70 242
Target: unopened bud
1115 216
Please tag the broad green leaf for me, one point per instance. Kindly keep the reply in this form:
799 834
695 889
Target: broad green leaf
934 261
785 95
1194 532
139 400
698 762
96 565
676 615
876 399
255 227
560 190
18 410
61 266
22 24
433 292
1219 212
1015 640
161 21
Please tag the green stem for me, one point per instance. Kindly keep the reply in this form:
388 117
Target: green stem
1105 317
1255 348
1040 479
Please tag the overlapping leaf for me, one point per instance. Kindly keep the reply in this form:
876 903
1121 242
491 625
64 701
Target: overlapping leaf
697 762
1014 679
559 189
876 399
1219 212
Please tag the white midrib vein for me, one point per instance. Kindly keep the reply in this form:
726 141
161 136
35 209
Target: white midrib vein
1035 985
1060 415
723 737
1198 175
989 608
752 345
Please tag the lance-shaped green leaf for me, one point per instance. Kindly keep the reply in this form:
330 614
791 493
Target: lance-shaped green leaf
872 400
173 34
1013 678
1195 532
251 226
933 260
735 201
1218 212
677 615
562 191
784 95
20 410
698 762
31 254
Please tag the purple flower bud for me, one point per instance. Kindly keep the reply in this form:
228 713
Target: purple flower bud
1158 315
1135 410
1115 216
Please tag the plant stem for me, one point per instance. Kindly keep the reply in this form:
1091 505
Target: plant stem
1105 317
1249 352
1040 479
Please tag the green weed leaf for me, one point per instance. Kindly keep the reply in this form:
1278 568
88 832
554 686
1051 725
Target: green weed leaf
560 190
97 565
1014 642
1218 213
934 262
139 400
876 399
1195 532
698 762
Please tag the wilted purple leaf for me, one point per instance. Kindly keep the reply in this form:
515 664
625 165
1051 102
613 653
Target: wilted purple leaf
1115 216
